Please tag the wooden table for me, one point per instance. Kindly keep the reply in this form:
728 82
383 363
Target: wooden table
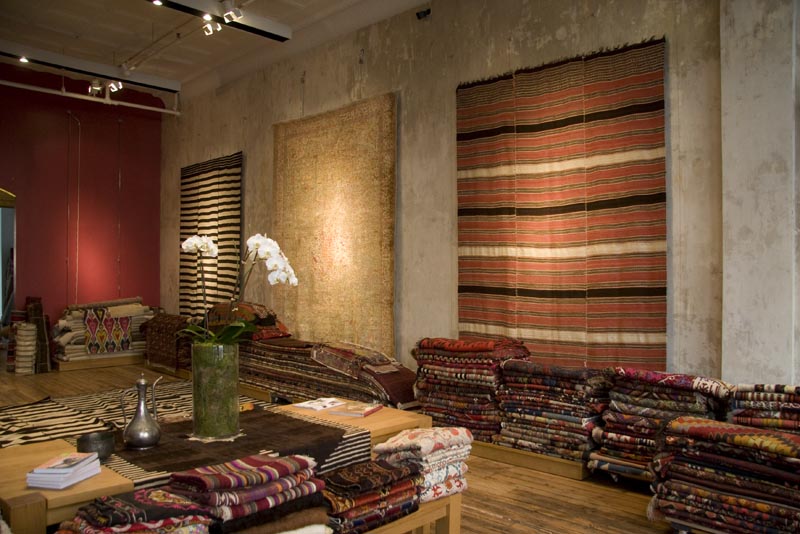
444 515
382 424
30 510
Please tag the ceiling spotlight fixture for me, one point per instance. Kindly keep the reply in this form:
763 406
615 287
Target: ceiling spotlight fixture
210 27
115 86
23 59
225 11
231 12
95 87
157 3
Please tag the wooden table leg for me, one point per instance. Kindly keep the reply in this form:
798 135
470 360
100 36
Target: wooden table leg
451 522
26 514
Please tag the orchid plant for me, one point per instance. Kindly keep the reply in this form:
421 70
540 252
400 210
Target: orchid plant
259 248
262 248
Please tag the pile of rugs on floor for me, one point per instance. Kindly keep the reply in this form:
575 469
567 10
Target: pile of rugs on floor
641 403
457 382
723 477
774 406
298 370
267 494
102 329
550 410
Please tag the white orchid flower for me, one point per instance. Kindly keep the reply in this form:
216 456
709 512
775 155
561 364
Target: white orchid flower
200 244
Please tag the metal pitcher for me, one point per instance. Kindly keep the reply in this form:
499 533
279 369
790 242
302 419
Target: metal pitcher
143 431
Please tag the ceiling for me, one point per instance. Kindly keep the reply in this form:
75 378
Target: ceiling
137 39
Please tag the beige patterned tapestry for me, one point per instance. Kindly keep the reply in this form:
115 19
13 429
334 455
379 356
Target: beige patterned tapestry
334 217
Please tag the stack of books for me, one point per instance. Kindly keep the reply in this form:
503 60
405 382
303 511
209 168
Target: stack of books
64 470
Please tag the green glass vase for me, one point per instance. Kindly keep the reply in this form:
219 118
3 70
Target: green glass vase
215 390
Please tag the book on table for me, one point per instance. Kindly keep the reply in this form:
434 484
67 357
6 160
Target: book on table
64 470
356 409
321 403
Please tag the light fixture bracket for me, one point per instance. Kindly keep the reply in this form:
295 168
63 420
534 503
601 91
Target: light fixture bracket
250 23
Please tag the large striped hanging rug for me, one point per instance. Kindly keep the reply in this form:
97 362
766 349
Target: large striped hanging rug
211 205
562 209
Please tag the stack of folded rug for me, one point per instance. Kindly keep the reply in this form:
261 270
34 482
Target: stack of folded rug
365 495
251 491
457 382
550 410
297 370
775 406
641 403
440 453
149 510
724 477
102 329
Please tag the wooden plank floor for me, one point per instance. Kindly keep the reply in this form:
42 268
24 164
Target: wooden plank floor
501 498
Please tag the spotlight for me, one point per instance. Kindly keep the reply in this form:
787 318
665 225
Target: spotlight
232 13
95 87
115 86
210 27
207 17
23 59
424 13
157 3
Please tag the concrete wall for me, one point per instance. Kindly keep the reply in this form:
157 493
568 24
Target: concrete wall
759 93
423 61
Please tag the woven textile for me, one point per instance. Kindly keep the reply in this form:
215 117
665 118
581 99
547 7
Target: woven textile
149 504
729 477
365 495
562 209
241 472
164 347
211 205
285 367
334 205
105 333
243 495
784 445
773 406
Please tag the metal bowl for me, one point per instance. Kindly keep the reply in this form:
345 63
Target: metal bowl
103 443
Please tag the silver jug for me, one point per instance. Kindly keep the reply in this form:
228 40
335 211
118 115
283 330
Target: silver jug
143 431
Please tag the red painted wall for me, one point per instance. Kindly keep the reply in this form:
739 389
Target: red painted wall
87 180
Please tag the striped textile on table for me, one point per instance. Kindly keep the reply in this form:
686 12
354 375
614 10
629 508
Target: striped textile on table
211 205
562 209
354 447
